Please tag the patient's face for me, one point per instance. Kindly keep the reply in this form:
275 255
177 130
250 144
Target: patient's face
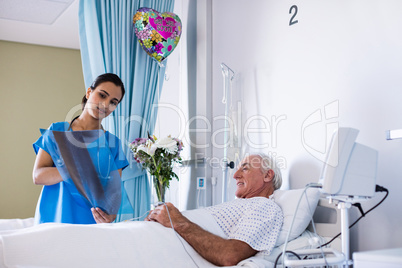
249 178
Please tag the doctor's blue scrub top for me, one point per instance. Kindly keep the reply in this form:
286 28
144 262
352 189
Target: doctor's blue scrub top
56 202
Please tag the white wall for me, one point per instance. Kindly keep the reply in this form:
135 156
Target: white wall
341 64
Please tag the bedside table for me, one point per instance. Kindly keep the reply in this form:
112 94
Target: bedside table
385 258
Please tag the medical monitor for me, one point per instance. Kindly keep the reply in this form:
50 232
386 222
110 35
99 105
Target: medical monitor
350 169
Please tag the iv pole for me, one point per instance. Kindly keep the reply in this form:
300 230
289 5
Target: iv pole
228 75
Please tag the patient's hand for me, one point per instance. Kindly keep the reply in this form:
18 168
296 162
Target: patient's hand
159 214
102 217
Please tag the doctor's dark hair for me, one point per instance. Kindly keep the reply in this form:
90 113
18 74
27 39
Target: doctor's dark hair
107 77
267 163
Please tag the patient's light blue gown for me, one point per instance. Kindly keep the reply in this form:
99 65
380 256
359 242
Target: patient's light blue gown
63 202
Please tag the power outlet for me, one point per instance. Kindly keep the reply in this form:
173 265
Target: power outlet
201 183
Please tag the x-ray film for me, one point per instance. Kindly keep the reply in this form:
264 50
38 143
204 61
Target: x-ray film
86 164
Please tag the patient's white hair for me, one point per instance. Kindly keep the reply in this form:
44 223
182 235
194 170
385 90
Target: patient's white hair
267 163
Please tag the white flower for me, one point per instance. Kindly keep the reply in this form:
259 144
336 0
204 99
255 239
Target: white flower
167 143
148 148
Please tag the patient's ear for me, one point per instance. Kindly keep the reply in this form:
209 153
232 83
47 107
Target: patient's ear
269 175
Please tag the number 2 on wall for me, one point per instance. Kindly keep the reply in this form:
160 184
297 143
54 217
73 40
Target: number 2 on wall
292 19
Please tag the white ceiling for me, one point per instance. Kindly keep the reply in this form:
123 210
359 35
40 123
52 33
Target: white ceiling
40 22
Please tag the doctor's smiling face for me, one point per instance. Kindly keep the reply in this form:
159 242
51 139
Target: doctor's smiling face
103 96
252 179
103 100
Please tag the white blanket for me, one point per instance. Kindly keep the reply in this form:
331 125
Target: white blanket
12 224
126 244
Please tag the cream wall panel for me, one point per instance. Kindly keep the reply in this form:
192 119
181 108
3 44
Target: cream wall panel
38 85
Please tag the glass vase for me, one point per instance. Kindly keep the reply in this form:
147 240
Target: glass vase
160 187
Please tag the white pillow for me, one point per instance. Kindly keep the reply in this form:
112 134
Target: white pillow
287 200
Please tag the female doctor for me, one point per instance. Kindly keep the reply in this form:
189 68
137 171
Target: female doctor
58 202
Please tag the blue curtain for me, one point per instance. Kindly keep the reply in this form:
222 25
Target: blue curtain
108 44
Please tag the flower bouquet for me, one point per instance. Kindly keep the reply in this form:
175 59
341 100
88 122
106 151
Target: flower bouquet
157 156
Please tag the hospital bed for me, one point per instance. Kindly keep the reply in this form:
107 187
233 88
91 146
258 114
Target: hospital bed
148 244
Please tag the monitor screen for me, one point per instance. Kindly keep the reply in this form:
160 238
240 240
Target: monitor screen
350 169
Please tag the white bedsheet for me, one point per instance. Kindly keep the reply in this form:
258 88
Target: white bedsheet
126 244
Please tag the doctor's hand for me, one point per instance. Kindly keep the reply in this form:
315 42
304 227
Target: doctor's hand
102 217
161 215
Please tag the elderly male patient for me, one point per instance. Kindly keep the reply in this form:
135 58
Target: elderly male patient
252 222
